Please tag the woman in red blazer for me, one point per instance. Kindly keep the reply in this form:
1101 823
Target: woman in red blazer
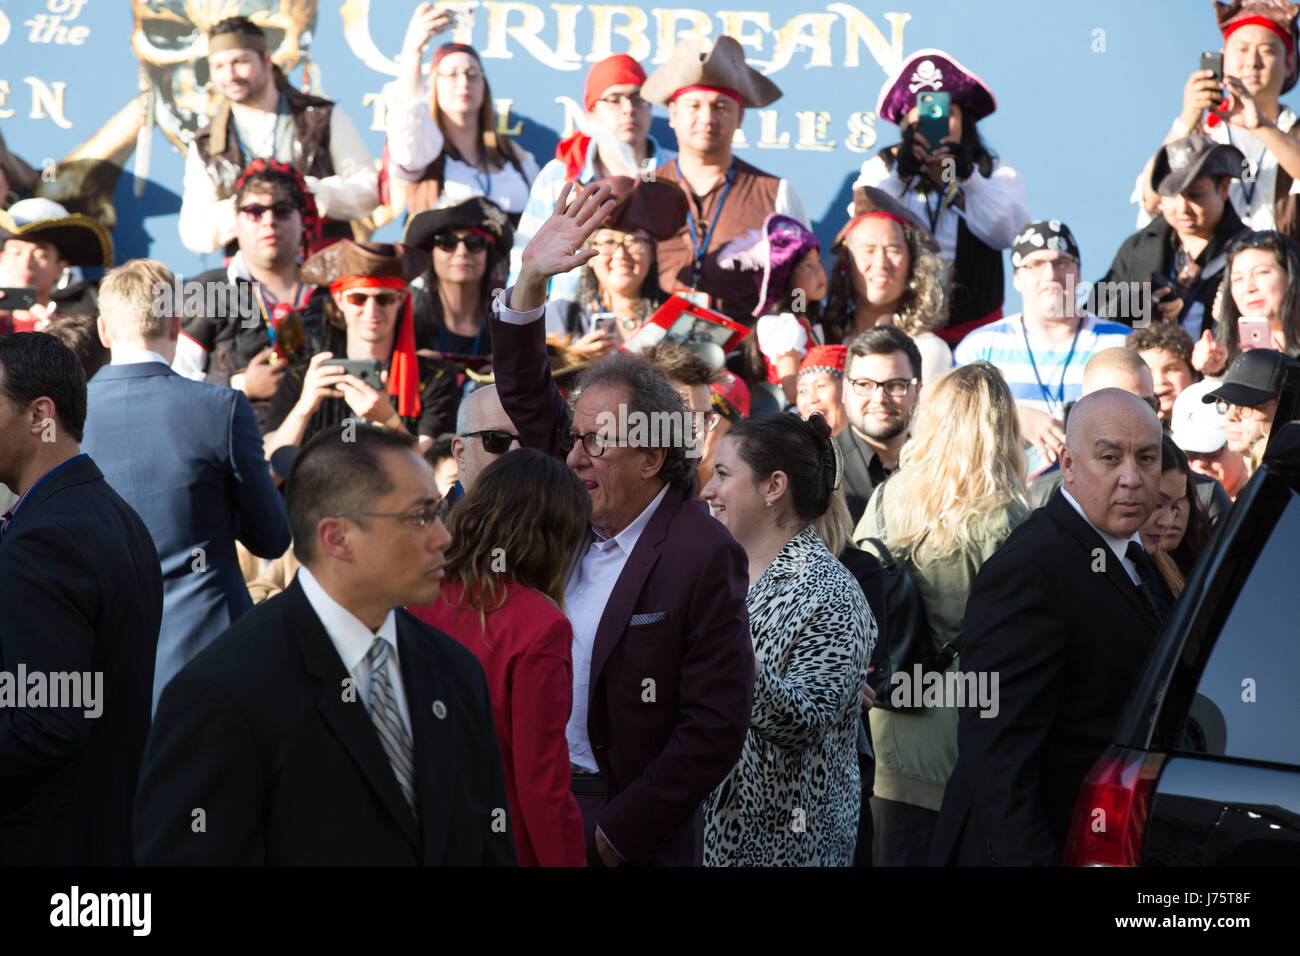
515 535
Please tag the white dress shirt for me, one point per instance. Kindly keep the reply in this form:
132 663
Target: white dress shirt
585 594
352 640
1117 545
136 357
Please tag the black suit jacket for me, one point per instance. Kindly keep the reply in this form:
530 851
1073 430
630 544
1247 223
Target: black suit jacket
1067 643
80 591
261 733
862 472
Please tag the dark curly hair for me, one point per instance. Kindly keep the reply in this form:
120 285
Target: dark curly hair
650 396
1163 335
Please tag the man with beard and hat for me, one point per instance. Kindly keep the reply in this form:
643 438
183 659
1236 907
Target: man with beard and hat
39 243
617 290
266 317
1192 176
261 116
469 242
1259 65
368 316
972 202
706 86
614 140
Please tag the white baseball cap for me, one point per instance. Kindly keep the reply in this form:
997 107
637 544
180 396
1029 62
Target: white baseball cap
1197 427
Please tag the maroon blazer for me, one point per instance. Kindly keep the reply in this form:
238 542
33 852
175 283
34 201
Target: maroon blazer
526 652
672 670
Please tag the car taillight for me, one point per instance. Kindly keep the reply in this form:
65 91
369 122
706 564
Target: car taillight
1110 816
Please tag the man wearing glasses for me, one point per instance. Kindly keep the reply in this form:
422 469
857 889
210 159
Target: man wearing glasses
663 665
880 392
1042 351
614 141
260 116
1248 395
329 727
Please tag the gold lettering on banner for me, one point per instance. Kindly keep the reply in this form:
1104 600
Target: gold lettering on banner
666 22
812 127
356 31
503 107
602 30
738 140
566 30
379 113
859 30
573 114
47 99
792 36
5 111
526 34
768 138
733 24
4 27
862 132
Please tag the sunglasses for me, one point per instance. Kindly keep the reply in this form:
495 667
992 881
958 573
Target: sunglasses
448 243
280 210
496 441
383 299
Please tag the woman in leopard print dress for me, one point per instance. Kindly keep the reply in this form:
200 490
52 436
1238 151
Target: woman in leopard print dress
794 796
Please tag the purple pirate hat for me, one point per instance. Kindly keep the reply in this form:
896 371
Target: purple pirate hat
933 70
774 251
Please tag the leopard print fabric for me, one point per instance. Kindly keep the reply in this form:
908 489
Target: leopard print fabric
794 796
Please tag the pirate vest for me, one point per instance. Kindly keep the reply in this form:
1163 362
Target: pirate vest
224 159
749 201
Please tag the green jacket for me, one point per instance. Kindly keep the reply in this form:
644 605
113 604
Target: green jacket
916 751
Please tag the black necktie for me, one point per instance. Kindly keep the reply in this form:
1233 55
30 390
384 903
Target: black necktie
1146 571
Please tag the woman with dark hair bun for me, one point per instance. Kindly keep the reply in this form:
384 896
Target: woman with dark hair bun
503 598
793 797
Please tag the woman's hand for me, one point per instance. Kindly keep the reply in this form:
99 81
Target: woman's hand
1208 354
426 23
594 345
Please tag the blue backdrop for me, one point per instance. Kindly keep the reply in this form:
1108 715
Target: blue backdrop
1085 91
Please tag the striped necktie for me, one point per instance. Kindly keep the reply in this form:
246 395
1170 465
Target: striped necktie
388 722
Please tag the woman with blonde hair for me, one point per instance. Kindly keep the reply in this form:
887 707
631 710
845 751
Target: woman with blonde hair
958 493
442 138
515 536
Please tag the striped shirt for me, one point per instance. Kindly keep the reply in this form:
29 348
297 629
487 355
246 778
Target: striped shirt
1040 379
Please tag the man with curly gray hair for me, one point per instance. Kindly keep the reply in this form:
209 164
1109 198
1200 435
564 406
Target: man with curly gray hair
663 665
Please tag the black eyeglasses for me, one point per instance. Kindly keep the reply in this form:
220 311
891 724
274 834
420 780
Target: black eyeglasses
280 210
894 388
595 443
496 441
448 243
420 518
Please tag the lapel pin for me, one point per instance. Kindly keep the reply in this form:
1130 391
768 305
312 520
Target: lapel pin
439 710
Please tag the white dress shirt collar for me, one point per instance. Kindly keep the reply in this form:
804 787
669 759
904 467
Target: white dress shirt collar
1118 545
628 537
350 637
137 357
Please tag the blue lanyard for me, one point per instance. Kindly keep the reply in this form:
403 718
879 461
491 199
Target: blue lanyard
281 108
698 249
1047 396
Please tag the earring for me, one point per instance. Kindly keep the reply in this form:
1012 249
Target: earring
769 504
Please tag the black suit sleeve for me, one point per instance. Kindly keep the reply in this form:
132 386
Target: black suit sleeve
526 387
262 522
439 399
201 783
498 848
1013 630
49 603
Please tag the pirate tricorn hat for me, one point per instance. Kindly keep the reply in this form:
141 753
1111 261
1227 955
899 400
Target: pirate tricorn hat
1276 16
720 64
81 240
657 207
869 201
348 257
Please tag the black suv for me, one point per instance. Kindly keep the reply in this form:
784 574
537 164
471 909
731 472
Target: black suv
1205 767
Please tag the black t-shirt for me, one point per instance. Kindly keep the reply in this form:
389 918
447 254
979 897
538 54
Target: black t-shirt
439 399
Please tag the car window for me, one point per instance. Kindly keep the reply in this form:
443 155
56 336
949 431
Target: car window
1246 705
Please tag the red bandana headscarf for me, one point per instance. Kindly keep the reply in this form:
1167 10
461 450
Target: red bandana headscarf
404 368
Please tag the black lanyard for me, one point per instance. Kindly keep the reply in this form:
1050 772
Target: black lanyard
1047 396
698 249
